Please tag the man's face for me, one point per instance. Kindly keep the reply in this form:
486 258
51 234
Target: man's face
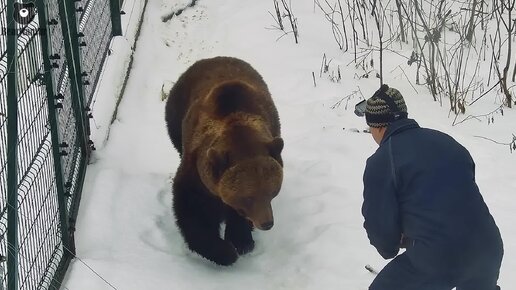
377 133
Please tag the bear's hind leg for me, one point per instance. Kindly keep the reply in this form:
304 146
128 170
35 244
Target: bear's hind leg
239 232
201 233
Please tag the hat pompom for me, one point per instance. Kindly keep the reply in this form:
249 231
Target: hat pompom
384 88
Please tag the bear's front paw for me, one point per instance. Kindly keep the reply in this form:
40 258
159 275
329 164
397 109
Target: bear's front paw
223 254
240 237
244 247
238 232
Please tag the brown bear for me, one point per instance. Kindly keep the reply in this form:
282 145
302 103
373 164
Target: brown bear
224 124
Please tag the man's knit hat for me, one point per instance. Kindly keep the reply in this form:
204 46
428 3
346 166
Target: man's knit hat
385 106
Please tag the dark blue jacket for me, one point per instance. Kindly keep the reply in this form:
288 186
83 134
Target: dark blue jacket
421 182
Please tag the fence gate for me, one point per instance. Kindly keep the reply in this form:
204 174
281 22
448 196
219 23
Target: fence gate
51 56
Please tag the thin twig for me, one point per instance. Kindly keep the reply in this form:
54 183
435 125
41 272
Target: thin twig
469 117
485 138
485 93
348 97
402 70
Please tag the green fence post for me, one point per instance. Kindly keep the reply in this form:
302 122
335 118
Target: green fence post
52 118
116 21
76 56
74 72
81 101
71 38
12 150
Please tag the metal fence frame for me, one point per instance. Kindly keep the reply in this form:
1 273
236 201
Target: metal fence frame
49 69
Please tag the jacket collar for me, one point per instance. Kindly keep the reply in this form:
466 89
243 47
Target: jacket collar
397 127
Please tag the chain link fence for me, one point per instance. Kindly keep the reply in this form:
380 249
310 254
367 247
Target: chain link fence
51 58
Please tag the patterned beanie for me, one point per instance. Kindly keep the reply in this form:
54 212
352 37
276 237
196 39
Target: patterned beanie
384 107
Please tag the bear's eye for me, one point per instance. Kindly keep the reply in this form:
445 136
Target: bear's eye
275 147
227 160
224 161
219 161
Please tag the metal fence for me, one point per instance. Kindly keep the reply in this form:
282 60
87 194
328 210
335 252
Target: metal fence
51 56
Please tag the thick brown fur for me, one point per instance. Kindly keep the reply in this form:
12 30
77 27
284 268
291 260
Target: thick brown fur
223 122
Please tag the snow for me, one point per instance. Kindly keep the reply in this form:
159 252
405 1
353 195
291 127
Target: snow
116 65
126 233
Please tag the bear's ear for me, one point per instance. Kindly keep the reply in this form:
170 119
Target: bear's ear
276 146
219 162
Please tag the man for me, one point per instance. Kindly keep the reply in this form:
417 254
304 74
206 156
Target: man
420 194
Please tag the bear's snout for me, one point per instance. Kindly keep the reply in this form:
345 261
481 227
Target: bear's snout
266 226
262 217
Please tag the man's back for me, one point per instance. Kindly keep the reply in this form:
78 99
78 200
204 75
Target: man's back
420 194
441 210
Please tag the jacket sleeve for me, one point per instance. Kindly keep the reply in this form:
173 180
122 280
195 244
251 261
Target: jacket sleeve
380 206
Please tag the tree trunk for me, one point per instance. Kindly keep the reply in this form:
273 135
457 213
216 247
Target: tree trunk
402 28
471 24
508 97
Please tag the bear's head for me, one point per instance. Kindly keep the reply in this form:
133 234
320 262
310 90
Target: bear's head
245 170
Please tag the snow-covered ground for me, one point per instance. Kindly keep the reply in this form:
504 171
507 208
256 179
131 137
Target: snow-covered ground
125 230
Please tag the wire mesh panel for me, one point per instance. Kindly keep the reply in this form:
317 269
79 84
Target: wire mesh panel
39 236
94 25
71 153
5 145
37 198
3 142
51 134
